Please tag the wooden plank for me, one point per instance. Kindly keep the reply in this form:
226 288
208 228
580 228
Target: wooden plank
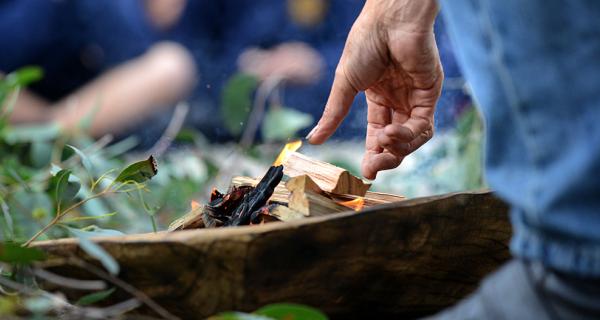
401 260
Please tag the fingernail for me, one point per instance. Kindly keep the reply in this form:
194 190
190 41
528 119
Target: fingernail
310 134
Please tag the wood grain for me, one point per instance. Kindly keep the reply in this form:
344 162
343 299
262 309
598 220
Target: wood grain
330 178
403 259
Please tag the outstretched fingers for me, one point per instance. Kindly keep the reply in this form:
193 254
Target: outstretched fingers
340 99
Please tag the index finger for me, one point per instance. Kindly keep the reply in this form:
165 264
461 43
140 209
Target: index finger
338 104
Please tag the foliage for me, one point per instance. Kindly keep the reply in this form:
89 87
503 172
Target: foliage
277 311
237 109
237 101
14 253
55 184
94 297
282 123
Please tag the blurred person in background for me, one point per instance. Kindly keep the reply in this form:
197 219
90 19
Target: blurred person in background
102 59
534 67
132 60
297 40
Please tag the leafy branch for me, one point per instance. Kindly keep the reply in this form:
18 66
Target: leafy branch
131 179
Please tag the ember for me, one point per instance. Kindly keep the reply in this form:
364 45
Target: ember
237 206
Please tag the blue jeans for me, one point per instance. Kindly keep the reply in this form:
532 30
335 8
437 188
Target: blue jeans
528 290
534 69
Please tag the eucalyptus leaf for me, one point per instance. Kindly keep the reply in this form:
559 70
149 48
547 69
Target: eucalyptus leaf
40 153
290 311
236 101
24 76
238 316
29 133
8 228
54 169
61 188
95 231
140 171
12 252
94 297
85 160
85 218
283 123
94 250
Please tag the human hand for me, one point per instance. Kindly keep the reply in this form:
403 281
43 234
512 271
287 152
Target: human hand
390 54
293 61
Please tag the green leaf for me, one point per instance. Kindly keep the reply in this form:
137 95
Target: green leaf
139 172
236 101
13 253
94 250
290 311
61 189
28 133
284 123
24 76
85 160
84 218
238 316
54 169
95 231
8 227
94 297
40 153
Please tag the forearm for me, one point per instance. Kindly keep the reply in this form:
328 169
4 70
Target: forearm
29 108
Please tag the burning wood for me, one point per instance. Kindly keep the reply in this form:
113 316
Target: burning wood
234 208
282 194
287 149
356 204
314 188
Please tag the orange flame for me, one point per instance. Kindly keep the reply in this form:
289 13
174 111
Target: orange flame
289 147
356 204
195 205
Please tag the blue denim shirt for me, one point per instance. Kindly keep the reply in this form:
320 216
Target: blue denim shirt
534 69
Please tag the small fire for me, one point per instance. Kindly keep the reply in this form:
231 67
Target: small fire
289 147
195 205
356 204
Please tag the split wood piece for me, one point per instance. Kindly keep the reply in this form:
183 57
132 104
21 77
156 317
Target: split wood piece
371 198
306 199
282 194
275 212
330 178
264 215
191 220
284 213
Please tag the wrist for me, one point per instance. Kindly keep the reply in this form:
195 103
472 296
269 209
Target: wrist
415 16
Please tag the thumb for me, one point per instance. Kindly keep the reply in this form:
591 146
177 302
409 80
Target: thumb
340 99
